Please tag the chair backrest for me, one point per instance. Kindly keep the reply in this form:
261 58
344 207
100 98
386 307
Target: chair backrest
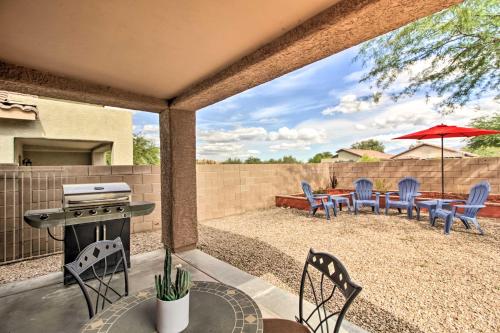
364 189
308 192
102 259
477 196
408 186
326 283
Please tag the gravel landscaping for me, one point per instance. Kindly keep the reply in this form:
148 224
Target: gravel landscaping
139 243
414 278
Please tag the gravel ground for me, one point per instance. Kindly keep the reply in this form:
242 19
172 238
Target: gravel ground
139 243
414 278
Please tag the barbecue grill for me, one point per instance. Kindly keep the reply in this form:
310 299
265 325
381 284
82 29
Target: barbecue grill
91 212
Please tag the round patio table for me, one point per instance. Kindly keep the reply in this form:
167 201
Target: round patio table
213 307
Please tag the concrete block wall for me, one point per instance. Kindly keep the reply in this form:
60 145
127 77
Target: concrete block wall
25 188
460 174
231 189
224 189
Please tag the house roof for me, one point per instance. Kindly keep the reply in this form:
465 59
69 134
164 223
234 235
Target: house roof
464 153
366 152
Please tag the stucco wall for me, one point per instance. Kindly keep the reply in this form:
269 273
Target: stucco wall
427 152
69 121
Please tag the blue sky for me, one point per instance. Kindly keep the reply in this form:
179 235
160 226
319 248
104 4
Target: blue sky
320 107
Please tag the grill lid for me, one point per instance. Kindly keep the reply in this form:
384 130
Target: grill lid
76 189
91 195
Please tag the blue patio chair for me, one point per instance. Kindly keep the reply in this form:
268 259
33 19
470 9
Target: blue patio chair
408 190
316 201
477 197
363 195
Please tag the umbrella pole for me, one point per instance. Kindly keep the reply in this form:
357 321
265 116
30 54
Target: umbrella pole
442 167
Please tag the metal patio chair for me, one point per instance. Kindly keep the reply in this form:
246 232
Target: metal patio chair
477 197
408 191
95 257
363 195
325 281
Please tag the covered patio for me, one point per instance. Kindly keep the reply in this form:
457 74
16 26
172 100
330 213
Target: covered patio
172 59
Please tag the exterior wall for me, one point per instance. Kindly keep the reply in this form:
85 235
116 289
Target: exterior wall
69 121
342 156
225 189
232 189
24 188
427 152
222 189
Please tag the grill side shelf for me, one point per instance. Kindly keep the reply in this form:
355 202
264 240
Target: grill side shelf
140 208
45 218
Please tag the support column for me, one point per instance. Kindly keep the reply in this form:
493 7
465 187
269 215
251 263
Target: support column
178 179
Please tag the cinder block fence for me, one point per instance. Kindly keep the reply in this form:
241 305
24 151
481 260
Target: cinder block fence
222 189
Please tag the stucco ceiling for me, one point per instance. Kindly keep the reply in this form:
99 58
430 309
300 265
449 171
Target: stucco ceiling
153 47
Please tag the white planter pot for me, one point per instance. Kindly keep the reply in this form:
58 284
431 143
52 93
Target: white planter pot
172 316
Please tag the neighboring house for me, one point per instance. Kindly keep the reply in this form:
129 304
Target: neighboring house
38 131
429 151
353 155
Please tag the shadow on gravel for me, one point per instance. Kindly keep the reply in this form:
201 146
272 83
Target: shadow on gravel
258 258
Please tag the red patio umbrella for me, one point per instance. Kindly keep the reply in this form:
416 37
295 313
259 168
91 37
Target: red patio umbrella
444 131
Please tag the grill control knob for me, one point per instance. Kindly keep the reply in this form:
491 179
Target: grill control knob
78 213
106 210
120 209
44 217
92 212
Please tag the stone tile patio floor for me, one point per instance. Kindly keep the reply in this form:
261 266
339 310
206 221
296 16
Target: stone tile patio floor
43 304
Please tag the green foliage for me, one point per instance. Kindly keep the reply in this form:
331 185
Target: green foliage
166 290
485 151
145 151
253 160
370 144
107 157
381 185
482 143
287 159
232 161
366 158
205 161
319 156
459 49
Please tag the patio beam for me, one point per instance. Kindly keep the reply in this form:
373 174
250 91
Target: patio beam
343 25
178 179
34 82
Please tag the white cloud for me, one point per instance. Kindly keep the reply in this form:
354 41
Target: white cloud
151 128
360 127
310 135
290 146
239 134
253 152
348 104
219 148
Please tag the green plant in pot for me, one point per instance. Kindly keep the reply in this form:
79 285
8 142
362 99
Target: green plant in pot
172 298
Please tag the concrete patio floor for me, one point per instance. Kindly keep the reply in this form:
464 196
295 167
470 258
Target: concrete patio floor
43 304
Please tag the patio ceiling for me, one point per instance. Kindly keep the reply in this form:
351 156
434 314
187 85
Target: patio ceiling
189 53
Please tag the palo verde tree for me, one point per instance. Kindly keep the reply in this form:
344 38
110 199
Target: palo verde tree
456 52
486 145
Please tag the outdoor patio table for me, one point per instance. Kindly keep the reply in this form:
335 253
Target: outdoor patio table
213 307
339 201
431 205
